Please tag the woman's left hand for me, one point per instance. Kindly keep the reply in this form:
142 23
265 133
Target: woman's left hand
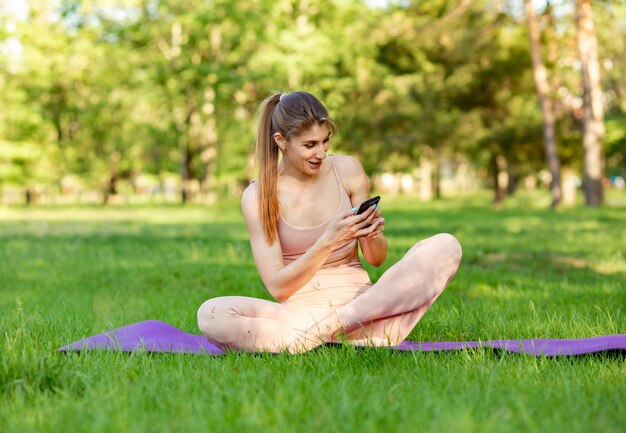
378 226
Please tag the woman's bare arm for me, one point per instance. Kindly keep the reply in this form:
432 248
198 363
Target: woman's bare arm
374 246
282 280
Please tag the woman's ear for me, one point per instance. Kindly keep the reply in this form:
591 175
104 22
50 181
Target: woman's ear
280 140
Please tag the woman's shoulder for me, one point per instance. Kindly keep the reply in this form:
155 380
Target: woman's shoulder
250 196
347 163
350 171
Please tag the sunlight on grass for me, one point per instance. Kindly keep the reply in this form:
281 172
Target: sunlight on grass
527 272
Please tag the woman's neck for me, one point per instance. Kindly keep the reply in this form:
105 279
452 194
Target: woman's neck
297 178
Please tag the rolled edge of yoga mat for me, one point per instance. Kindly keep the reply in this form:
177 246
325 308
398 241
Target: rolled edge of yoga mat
158 336
537 346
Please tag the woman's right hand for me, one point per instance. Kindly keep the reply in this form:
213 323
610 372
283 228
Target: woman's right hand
347 226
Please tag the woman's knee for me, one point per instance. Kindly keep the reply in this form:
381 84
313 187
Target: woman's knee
445 240
446 251
209 315
450 246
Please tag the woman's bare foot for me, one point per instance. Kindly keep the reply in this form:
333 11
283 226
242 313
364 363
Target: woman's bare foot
321 332
304 344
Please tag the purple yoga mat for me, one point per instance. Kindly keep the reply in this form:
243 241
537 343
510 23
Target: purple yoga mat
157 336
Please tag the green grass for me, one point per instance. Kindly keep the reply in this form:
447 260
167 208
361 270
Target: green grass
70 272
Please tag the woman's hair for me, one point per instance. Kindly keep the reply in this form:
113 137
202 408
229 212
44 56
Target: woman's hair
290 114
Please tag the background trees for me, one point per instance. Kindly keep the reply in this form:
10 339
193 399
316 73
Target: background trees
161 95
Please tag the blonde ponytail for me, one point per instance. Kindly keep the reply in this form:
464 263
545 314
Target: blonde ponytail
267 158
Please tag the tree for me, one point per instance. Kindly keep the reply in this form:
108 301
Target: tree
593 111
543 92
470 86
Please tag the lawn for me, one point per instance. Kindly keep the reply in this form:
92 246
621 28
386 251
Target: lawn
527 272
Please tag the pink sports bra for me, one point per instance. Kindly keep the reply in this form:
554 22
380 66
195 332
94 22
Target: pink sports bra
295 240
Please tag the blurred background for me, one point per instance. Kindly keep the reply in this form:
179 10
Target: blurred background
154 101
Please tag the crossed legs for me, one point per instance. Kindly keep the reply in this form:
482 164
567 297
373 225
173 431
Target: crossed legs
383 315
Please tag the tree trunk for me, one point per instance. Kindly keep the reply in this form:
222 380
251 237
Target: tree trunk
541 81
111 189
186 168
500 179
593 113
553 57
57 102
186 151
29 196
511 180
426 174
437 174
207 135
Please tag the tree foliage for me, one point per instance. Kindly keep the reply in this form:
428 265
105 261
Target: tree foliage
110 90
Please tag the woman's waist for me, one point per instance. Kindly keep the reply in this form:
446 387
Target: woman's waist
333 286
352 269
344 255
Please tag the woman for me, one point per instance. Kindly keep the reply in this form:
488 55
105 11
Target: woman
305 235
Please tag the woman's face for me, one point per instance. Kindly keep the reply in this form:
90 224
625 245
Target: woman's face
306 151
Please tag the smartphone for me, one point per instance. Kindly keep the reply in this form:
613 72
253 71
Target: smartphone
367 204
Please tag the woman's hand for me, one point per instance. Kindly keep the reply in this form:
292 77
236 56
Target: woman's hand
347 226
378 226
374 244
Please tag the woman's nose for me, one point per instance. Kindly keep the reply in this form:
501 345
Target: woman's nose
320 153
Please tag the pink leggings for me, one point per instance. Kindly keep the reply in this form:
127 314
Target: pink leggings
380 314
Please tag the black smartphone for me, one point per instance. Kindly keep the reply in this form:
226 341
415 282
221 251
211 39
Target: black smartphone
367 203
